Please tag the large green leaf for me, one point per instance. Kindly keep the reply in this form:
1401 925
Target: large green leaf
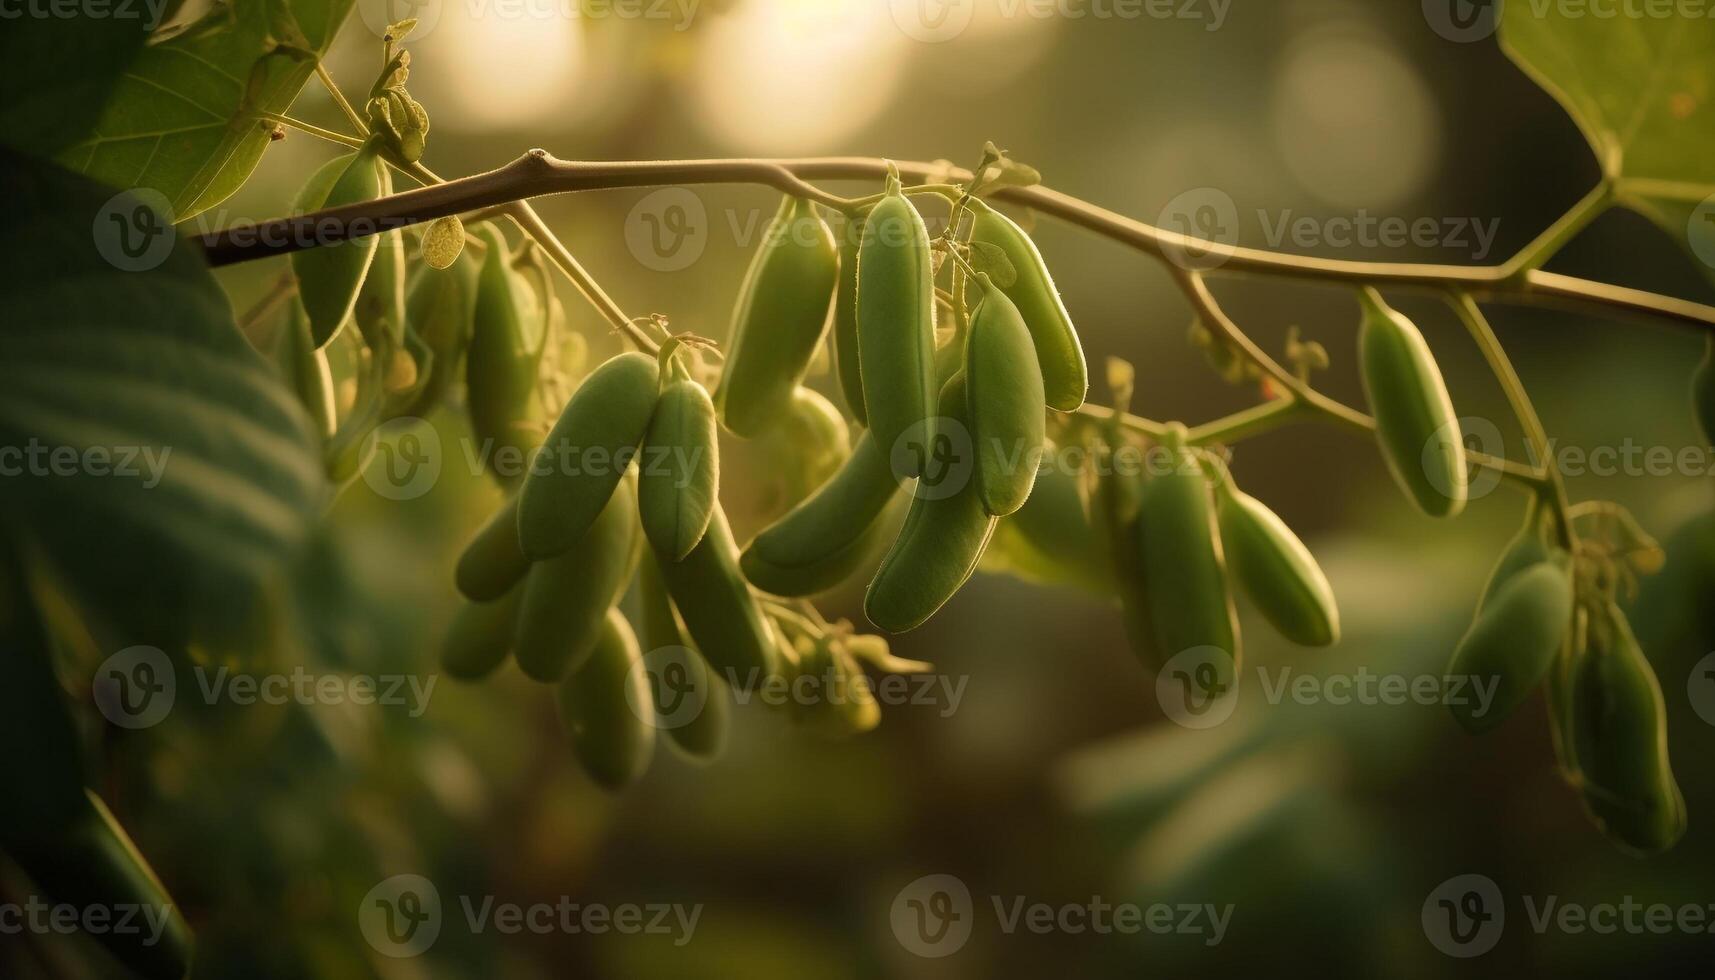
184 119
146 449
1642 88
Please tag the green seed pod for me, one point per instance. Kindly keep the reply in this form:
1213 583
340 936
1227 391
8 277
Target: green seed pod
480 637
1512 644
1190 602
781 318
600 706
586 453
843 703
1703 391
937 550
702 737
1419 434
896 323
439 308
1526 550
566 597
492 563
718 610
680 470
1276 570
808 447
507 334
823 540
329 276
380 309
1065 377
1050 540
305 370
1619 734
845 320
1114 506
1004 386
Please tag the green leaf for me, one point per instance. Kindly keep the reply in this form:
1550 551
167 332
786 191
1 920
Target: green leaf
1641 89
989 258
184 119
150 453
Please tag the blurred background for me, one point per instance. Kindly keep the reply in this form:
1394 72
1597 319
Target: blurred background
1055 777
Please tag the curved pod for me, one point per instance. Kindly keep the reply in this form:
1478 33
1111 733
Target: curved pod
1512 644
566 597
1277 570
1065 375
679 475
329 276
823 540
1415 424
1190 603
507 334
602 708
718 610
896 324
1004 399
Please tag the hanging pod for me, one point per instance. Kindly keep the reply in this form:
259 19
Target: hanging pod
1512 644
896 326
679 476
1276 569
508 332
807 447
1004 394
1051 540
938 548
719 612
823 540
481 636
692 703
1190 603
574 474
1619 738
330 275
603 707
305 370
1419 434
439 307
1114 515
1059 355
1527 549
781 318
380 308
492 563
846 360
566 597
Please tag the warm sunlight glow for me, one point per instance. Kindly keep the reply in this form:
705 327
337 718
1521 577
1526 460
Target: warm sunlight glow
507 64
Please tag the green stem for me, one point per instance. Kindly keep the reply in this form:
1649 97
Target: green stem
1555 237
1246 423
316 131
351 115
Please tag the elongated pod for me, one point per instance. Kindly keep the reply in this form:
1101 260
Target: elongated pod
1276 570
781 318
440 305
481 636
1619 734
1190 603
846 361
566 597
1051 540
1003 385
692 703
586 454
896 326
1059 355
330 275
718 610
1415 424
507 335
604 707
938 548
679 472
492 563
823 540
1512 644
